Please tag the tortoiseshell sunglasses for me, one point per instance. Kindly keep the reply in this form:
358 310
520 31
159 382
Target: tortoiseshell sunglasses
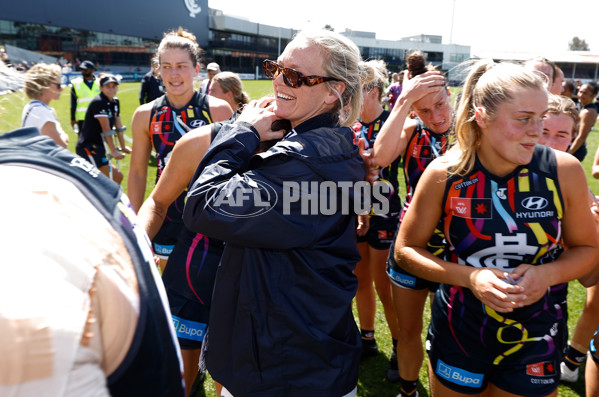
292 77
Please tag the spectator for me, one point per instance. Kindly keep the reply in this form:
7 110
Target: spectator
151 85
212 70
42 85
83 90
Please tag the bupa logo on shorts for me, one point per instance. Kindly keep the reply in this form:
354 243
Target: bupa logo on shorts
402 279
535 203
544 368
458 376
255 199
188 329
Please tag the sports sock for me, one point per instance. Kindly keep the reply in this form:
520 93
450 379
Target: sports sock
367 334
408 387
574 358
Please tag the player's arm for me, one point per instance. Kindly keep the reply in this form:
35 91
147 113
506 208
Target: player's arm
391 141
220 110
416 229
140 156
177 175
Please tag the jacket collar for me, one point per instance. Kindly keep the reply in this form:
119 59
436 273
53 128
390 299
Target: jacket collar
327 120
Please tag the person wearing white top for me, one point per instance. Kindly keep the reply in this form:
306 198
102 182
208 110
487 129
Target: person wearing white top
43 85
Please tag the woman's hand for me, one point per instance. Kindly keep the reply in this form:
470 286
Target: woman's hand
495 291
260 114
363 224
418 87
533 280
117 154
372 170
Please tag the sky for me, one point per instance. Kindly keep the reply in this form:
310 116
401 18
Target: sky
536 26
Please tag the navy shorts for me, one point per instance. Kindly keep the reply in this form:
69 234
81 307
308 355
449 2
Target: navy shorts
94 154
404 279
189 282
380 233
470 346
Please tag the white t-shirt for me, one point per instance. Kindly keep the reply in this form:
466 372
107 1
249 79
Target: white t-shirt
37 113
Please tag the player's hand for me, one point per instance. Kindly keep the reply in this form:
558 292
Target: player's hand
489 286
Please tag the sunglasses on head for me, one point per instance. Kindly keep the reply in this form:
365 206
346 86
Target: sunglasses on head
292 77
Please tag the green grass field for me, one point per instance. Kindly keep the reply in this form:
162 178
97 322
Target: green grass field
372 381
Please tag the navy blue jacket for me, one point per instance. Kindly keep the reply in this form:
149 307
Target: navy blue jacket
281 321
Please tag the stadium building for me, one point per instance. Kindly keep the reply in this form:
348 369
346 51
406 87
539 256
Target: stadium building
121 36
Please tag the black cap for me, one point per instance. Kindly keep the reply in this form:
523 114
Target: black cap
87 65
109 78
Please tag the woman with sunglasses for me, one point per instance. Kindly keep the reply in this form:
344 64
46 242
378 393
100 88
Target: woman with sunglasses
42 86
419 141
159 125
281 320
507 206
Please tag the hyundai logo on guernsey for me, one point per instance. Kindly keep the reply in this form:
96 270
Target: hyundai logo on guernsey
535 203
459 376
534 207
310 197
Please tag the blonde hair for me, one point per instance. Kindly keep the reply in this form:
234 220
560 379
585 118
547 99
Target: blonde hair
180 39
488 85
39 78
559 104
342 61
375 74
229 81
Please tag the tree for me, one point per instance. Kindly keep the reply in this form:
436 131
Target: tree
578 45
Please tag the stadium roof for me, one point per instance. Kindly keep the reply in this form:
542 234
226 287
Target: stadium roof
559 57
